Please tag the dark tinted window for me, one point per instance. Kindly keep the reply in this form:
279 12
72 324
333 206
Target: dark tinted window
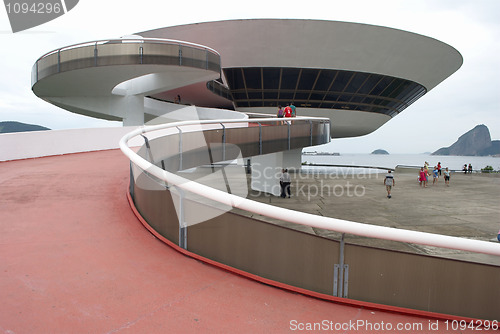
271 95
357 81
307 79
393 89
287 96
316 96
357 99
381 85
255 95
341 81
325 79
240 96
301 96
371 81
253 78
271 78
289 78
235 76
320 88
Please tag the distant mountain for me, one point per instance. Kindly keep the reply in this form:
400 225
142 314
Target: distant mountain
476 142
380 151
8 127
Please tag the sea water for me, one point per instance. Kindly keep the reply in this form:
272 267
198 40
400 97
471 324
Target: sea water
392 160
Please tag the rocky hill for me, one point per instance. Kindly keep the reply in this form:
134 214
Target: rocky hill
380 151
8 127
476 142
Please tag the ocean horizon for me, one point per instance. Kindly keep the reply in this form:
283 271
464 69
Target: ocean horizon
390 161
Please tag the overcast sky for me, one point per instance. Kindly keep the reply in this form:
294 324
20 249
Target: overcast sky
469 97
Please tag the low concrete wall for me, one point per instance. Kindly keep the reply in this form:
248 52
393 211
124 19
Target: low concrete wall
34 144
407 170
420 282
284 255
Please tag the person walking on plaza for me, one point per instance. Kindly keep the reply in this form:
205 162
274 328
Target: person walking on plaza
426 168
447 177
280 114
294 110
389 183
288 113
285 183
435 175
422 177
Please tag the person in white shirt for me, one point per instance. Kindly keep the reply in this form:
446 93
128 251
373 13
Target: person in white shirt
447 177
389 183
285 183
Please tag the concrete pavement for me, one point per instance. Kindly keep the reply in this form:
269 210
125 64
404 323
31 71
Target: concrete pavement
468 208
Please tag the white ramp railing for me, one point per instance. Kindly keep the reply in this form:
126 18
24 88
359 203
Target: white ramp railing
297 217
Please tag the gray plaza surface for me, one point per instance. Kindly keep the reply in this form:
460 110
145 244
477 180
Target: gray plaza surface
469 207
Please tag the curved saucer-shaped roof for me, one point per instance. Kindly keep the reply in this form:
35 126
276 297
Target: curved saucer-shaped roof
323 44
358 75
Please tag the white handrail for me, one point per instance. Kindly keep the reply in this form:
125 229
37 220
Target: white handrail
297 217
131 40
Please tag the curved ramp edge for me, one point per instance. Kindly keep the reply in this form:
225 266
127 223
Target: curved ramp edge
293 289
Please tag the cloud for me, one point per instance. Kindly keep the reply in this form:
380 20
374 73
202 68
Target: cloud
467 98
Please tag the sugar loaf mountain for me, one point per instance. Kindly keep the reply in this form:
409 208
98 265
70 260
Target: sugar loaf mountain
476 142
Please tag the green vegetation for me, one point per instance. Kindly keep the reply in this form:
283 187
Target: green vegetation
487 169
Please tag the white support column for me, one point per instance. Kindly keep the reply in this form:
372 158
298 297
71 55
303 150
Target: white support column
133 109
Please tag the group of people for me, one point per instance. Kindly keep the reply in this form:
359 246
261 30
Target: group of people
437 171
288 111
467 169
423 177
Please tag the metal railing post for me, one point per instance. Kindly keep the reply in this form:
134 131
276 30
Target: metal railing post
341 273
223 142
58 60
131 188
341 262
345 270
260 138
182 223
180 55
148 147
206 59
180 148
95 54
311 132
288 124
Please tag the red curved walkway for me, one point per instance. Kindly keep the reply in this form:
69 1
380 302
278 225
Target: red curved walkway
75 259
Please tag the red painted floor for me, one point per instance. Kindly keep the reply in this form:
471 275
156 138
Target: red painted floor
74 259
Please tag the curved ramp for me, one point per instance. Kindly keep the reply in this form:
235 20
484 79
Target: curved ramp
109 78
74 258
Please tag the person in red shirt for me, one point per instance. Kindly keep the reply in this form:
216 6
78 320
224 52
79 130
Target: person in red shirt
288 111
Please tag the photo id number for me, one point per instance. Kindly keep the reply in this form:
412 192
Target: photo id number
35 8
